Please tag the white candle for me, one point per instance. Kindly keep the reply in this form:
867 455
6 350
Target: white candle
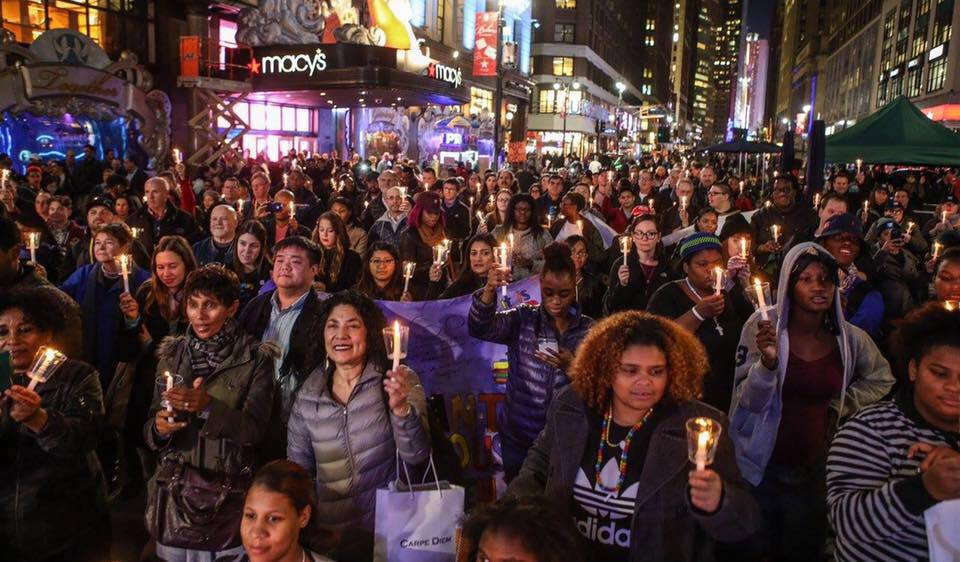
177 156
124 272
718 276
169 378
503 265
761 302
949 306
910 227
703 441
859 163
292 208
33 242
136 232
652 208
775 232
743 248
816 200
580 227
240 206
396 345
944 218
408 268
625 247
936 249
510 240
683 203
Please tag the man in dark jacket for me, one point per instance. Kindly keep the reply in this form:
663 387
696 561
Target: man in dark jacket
160 217
290 317
136 178
456 214
223 232
796 222
88 173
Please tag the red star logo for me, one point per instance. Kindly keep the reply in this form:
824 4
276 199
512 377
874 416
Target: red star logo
254 66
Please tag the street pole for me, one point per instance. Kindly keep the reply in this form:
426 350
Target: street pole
498 93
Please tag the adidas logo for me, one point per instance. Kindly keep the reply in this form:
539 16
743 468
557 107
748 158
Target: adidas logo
604 505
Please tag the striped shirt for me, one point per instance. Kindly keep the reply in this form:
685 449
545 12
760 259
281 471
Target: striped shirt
875 496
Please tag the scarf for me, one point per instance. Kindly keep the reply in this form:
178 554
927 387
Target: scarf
431 237
207 355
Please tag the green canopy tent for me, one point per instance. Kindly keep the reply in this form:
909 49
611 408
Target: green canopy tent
899 133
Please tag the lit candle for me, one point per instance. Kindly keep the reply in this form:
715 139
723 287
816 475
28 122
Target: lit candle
51 357
396 345
33 242
683 203
136 231
775 232
580 227
124 272
767 204
169 377
859 163
652 208
510 240
480 216
743 248
910 227
292 208
949 306
177 156
761 302
742 183
408 268
816 200
936 249
625 247
866 210
285 176
703 442
944 218
503 264
240 206
718 280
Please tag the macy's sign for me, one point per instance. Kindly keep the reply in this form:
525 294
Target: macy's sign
287 64
445 73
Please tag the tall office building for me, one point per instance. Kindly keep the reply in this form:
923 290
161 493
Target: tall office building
751 84
726 55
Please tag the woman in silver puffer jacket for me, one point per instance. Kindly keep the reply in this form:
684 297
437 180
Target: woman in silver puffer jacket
351 419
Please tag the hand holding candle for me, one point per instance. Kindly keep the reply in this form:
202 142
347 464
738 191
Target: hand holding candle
775 233
33 242
743 248
396 338
937 246
703 435
125 271
625 242
504 255
169 382
44 364
760 289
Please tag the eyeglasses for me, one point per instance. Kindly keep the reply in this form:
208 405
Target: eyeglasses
383 262
650 235
580 254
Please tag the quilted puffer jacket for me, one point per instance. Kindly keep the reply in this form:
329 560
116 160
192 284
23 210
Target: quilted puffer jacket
530 382
352 450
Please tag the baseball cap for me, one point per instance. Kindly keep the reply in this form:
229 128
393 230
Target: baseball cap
845 223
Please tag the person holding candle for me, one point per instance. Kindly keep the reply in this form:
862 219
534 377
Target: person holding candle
221 414
573 222
478 261
590 287
736 237
678 205
340 267
417 244
632 283
97 288
830 205
796 223
619 217
525 238
540 343
913 239
382 276
713 312
949 208
52 501
610 451
799 373
897 270
896 459
351 420
497 213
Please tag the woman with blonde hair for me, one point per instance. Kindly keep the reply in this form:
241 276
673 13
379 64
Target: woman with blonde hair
614 448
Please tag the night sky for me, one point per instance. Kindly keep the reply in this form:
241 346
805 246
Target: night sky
759 14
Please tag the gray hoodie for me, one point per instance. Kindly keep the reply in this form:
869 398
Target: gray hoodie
757 403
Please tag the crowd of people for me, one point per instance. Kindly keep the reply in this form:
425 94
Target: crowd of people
224 355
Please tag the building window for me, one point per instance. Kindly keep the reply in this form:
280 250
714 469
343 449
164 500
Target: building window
480 100
564 32
552 101
228 38
566 4
651 25
648 40
563 66
937 74
942 22
914 81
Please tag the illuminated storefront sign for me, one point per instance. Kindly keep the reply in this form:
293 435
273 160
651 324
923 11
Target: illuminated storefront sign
285 64
445 74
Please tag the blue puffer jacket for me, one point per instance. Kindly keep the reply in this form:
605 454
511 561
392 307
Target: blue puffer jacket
530 382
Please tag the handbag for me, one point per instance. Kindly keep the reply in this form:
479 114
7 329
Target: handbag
418 522
195 508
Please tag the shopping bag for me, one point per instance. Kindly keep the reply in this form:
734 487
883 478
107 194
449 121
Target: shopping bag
417 523
943 531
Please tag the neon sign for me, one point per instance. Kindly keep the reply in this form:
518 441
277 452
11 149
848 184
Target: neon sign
445 74
287 64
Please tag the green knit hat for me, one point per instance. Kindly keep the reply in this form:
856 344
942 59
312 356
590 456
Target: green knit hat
697 242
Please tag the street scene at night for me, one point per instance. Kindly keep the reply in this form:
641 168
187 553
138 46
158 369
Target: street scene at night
479 281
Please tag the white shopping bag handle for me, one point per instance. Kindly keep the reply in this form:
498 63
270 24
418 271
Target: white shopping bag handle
430 465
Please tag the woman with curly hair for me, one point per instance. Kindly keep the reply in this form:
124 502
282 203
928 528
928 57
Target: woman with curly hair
896 459
614 448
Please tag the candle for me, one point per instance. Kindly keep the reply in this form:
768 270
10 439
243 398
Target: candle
775 232
625 247
743 248
292 209
33 242
285 176
177 156
503 264
396 345
408 267
703 442
124 271
510 240
742 183
816 200
718 280
767 204
652 208
136 231
936 249
580 227
949 306
169 377
240 206
761 302
683 203
549 220
944 218
480 216
859 163
910 227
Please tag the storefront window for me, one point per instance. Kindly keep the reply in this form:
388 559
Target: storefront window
289 118
115 25
480 100
938 73
303 120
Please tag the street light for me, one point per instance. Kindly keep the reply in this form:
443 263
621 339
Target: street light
807 108
566 87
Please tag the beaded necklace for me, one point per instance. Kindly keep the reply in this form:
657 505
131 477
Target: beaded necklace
623 445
